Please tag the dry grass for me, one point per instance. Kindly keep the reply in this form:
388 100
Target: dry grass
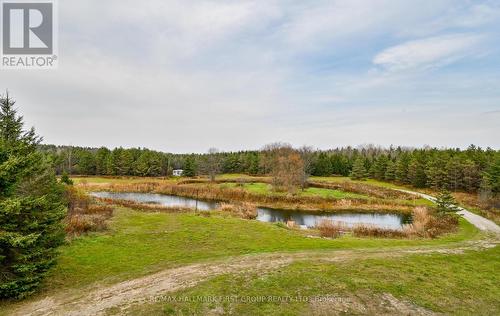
146 207
243 210
374 231
84 214
360 188
424 225
331 229
241 180
233 194
484 204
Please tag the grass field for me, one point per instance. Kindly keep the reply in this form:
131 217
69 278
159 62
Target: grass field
139 243
264 188
451 284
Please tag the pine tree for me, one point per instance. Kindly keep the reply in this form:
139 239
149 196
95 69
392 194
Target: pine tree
380 167
402 169
358 169
323 165
455 176
416 172
390 171
31 207
101 158
445 203
436 173
66 179
254 164
189 167
492 176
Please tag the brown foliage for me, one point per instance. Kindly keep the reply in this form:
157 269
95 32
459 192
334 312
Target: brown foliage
84 214
243 210
424 225
227 194
373 231
285 165
331 229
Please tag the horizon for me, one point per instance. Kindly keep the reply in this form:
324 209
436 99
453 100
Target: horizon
261 148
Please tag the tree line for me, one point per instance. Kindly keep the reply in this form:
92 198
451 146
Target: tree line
472 170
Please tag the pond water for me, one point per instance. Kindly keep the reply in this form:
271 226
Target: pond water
308 219
158 199
305 219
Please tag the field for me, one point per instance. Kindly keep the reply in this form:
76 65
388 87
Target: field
247 258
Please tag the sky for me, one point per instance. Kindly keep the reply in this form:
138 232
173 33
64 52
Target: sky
184 76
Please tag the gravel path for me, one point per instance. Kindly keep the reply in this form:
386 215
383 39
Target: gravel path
480 222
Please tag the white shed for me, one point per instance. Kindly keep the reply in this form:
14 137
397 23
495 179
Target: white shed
177 172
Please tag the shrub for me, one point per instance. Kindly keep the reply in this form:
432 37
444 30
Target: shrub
331 229
424 225
243 210
373 231
65 179
84 213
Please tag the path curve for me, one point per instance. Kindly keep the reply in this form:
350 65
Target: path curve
480 222
97 300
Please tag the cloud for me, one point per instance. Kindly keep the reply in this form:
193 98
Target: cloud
429 52
183 75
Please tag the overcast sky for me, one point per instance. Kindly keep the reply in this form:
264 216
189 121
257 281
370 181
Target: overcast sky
183 76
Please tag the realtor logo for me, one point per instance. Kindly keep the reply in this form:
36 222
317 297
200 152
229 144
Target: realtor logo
28 34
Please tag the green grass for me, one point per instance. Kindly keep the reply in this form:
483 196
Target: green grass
264 188
328 193
464 284
140 243
367 181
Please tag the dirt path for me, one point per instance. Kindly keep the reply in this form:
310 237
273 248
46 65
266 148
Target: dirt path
476 220
96 300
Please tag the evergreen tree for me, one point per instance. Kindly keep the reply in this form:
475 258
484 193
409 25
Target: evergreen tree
31 207
323 166
436 173
86 163
358 170
471 176
254 164
65 179
390 171
402 169
491 177
416 173
101 161
189 167
380 167
454 174
445 203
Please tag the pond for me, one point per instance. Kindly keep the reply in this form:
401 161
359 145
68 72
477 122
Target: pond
158 199
302 218
308 219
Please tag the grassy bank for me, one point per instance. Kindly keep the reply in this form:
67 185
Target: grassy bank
139 243
458 284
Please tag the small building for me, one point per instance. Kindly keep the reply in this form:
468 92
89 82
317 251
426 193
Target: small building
177 172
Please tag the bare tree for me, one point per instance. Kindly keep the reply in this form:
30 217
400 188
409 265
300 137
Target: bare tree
212 163
307 155
285 165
